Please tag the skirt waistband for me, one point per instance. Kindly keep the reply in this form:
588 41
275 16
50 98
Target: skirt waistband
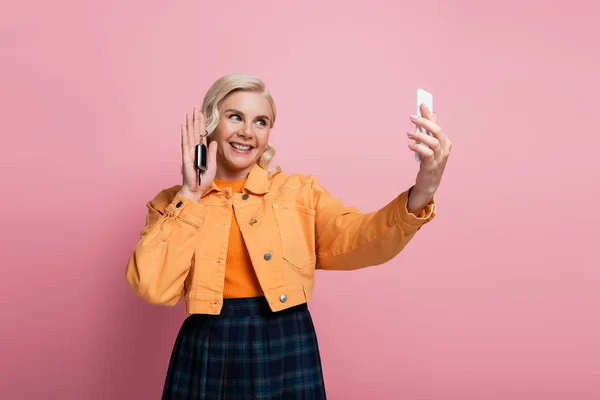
248 306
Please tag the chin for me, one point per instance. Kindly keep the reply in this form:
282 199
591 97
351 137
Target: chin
239 158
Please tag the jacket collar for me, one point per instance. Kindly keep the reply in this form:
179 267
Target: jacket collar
257 182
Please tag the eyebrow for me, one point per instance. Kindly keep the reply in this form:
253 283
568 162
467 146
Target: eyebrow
241 113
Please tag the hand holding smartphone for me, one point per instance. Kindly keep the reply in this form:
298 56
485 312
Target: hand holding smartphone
426 98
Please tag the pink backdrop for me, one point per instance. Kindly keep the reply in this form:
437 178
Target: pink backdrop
498 298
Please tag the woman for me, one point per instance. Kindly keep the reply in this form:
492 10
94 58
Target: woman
241 249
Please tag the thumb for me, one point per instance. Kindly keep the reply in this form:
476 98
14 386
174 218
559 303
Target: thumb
212 155
211 168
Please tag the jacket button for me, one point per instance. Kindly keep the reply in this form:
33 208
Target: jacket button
283 298
245 196
179 204
253 221
267 256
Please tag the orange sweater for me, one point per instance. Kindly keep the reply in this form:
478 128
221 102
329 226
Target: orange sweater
240 278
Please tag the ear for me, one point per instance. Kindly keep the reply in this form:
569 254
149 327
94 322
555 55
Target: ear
209 138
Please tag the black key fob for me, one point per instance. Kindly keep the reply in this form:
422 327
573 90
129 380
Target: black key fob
201 157
201 160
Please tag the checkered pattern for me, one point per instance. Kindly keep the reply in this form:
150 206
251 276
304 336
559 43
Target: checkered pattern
247 352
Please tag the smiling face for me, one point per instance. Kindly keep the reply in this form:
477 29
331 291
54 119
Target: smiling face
242 133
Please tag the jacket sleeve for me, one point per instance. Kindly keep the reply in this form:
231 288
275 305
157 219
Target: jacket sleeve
347 239
162 258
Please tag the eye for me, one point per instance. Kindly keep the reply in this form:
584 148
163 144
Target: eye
235 117
262 123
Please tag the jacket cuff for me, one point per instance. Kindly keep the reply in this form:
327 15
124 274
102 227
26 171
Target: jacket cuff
410 220
187 210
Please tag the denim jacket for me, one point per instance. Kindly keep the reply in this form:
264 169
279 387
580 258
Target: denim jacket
291 226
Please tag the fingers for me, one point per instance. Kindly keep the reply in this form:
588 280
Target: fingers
191 135
209 175
425 152
189 122
426 113
437 142
185 145
427 124
212 156
189 119
430 141
198 125
202 124
430 125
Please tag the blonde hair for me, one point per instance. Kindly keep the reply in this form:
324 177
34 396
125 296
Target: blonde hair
225 86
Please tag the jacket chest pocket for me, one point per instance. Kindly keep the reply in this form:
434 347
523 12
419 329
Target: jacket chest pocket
296 226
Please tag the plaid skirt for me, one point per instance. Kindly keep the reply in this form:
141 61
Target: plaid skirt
246 352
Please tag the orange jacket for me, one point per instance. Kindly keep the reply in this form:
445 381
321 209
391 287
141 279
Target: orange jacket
291 226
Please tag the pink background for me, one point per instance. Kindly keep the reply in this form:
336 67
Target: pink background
497 299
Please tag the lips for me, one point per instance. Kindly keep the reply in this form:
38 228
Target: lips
240 146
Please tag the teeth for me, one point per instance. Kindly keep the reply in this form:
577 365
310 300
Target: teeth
240 146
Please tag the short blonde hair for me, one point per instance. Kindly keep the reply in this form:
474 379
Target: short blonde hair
225 86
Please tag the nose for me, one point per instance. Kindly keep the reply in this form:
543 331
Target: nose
247 130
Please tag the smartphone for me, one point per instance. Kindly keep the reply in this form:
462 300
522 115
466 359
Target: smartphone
423 97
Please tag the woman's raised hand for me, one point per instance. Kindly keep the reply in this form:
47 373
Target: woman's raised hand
434 151
192 133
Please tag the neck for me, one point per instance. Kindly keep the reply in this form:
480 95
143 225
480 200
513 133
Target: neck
226 174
